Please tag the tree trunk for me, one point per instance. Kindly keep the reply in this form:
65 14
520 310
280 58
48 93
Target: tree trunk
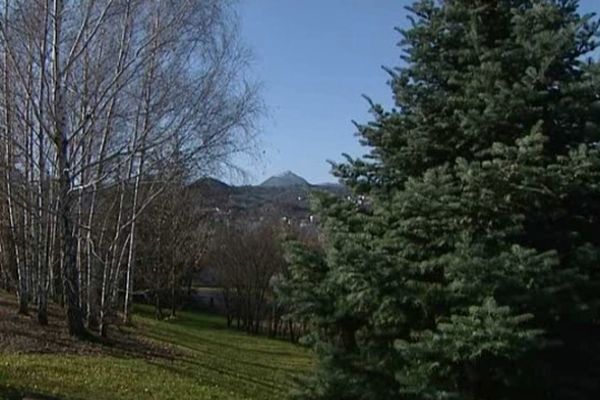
42 310
157 306
173 292
22 294
65 195
69 245
291 327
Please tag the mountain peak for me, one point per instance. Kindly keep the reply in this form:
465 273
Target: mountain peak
285 179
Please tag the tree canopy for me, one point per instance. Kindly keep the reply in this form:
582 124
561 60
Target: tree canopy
466 263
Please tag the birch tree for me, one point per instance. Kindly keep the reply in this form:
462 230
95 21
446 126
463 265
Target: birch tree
102 102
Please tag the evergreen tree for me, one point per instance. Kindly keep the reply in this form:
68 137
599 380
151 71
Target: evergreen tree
467 263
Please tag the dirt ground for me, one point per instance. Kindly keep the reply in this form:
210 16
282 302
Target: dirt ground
23 334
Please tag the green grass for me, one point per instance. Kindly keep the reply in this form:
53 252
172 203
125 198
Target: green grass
213 363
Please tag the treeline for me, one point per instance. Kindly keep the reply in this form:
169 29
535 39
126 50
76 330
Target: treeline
106 106
248 262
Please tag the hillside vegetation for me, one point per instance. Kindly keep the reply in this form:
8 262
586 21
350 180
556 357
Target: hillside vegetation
191 357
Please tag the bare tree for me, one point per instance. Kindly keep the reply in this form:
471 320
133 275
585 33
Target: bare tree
173 238
103 102
245 259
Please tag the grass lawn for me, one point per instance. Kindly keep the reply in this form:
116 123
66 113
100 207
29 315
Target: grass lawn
207 362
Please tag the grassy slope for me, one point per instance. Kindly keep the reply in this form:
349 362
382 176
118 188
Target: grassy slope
212 363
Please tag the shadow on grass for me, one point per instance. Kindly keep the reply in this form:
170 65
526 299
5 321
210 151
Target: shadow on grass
23 334
10 393
118 344
131 346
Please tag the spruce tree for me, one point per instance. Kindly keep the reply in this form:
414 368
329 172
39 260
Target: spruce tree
466 264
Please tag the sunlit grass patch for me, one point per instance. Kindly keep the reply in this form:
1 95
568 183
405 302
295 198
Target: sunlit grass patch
211 362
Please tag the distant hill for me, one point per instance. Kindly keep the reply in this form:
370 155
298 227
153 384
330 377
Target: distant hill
211 186
286 179
285 195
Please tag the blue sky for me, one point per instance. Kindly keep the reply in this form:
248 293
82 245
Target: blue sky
315 58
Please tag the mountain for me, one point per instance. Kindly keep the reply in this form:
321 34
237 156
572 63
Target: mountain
282 196
285 180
